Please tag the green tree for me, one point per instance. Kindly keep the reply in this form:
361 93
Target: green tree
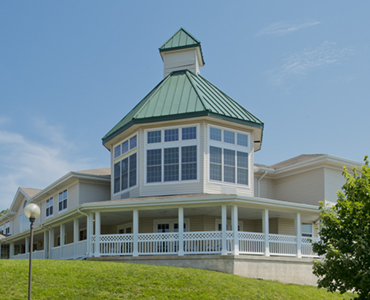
3 212
345 237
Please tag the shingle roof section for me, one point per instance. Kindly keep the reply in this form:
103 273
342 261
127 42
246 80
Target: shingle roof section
180 40
183 94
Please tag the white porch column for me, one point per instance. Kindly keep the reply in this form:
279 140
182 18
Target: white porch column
61 239
181 231
89 233
135 221
27 244
223 229
234 222
75 236
265 228
11 250
298 233
46 243
97 234
51 241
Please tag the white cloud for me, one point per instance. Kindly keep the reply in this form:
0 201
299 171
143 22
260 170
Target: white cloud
4 120
281 28
301 63
34 164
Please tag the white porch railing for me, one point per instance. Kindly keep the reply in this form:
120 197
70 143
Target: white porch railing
81 248
306 246
283 245
68 251
40 254
251 243
55 253
204 242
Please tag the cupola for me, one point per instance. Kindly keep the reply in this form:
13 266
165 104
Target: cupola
182 51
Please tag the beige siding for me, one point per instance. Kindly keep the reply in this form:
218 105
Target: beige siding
306 187
267 187
286 226
73 193
334 181
92 192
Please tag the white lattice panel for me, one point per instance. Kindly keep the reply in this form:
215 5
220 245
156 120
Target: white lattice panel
278 238
204 235
116 238
251 236
153 237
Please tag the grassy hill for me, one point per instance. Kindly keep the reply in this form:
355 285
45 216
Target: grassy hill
56 279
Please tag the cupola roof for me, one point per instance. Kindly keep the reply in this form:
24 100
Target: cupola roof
181 95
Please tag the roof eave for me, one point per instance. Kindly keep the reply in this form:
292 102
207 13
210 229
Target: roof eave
177 117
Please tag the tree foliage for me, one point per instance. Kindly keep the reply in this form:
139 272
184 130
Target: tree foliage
345 237
3 212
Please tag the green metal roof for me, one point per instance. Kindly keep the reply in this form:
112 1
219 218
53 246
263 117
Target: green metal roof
181 95
180 40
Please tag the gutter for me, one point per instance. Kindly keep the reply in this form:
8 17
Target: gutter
259 184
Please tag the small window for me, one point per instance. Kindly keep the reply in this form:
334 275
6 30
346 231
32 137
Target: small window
171 135
49 207
7 228
307 229
189 163
154 136
229 137
124 147
189 133
117 151
242 140
154 163
63 200
133 142
83 235
215 134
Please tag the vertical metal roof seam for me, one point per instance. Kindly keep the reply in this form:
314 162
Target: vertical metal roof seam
181 97
189 76
174 95
239 106
216 105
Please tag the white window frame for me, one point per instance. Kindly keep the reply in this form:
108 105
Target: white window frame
171 222
2 229
63 209
228 226
23 222
171 144
46 206
122 157
234 147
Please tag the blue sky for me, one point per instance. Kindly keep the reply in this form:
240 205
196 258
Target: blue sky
70 70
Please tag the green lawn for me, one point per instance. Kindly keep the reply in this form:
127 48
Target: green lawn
57 279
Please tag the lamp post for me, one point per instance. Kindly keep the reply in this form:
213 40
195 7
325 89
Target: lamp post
32 212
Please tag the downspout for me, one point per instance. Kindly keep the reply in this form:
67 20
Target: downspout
88 238
82 213
259 183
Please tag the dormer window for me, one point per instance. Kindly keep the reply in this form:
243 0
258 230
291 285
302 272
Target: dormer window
172 154
125 165
228 156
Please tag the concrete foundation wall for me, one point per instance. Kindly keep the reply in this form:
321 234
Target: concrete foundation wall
283 269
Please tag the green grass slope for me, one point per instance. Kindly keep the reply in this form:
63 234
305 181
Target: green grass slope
56 279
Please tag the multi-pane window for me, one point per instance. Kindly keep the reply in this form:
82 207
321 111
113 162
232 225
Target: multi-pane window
228 156
63 196
125 167
126 146
1 229
125 173
7 228
49 207
171 154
